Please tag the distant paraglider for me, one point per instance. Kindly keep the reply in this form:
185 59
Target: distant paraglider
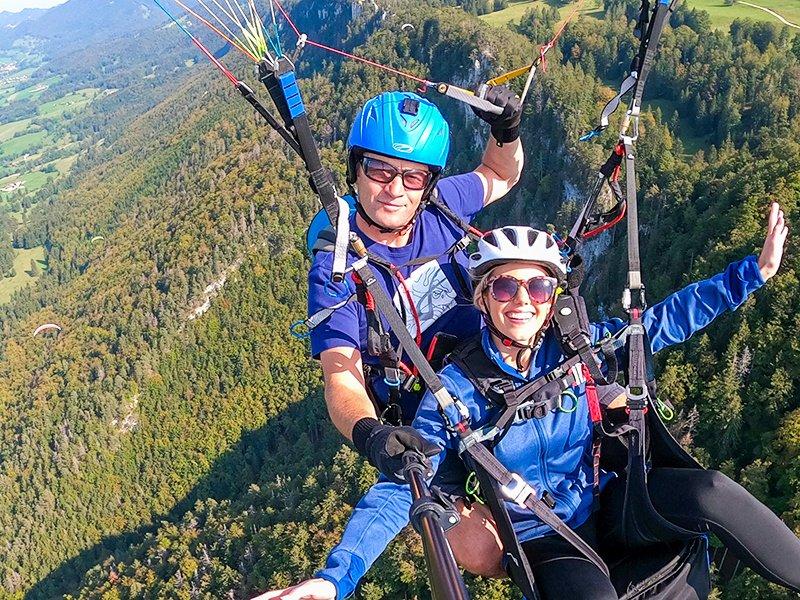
49 327
407 27
97 238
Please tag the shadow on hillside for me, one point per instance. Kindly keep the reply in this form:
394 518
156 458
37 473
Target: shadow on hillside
229 477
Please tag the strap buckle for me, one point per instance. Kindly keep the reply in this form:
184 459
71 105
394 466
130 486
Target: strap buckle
636 398
517 490
391 377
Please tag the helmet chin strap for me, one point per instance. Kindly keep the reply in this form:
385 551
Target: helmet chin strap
532 346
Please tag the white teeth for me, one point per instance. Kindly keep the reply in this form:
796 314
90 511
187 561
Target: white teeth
519 315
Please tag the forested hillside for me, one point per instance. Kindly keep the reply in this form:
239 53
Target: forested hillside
171 441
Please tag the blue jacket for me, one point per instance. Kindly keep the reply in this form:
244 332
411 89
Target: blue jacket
553 453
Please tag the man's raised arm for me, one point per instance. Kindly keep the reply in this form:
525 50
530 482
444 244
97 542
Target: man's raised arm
503 159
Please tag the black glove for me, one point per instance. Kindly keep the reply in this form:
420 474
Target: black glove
505 126
385 446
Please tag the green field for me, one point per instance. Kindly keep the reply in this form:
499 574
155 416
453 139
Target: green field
517 8
63 165
69 102
36 180
22 264
691 143
32 92
513 13
721 15
9 130
22 144
32 181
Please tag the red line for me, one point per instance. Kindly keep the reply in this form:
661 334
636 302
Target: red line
564 24
609 225
411 304
231 77
370 62
549 45
347 54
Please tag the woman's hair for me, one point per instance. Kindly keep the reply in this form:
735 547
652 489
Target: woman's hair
479 286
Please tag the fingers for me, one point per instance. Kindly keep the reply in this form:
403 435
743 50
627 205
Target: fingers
296 592
774 212
777 227
285 594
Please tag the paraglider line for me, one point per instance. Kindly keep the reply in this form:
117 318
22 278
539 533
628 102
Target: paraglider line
540 60
423 82
231 77
217 31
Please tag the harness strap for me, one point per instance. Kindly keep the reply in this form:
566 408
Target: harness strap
572 324
597 421
517 564
434 200
515 399
282 87
517 490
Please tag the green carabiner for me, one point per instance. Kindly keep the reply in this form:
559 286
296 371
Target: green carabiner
473 488
665 410
570 394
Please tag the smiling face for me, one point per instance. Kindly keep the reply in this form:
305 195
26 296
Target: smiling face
391 204
519 319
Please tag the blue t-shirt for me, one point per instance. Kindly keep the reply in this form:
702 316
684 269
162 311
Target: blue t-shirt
442 304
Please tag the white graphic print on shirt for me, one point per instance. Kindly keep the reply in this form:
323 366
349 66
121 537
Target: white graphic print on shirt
432 293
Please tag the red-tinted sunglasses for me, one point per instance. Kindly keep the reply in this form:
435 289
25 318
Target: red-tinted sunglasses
381 172
540 289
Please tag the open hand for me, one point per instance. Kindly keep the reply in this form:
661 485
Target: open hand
313 589
771 254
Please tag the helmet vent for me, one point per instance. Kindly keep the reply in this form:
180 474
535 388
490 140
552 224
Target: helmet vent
410 107
511 234
490 239
549 241
531 237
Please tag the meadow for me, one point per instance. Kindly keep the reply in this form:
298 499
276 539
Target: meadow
23 277
721 14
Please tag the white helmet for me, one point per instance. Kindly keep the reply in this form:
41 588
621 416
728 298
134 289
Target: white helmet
517 244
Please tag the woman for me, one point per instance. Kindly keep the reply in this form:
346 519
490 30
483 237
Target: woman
518 271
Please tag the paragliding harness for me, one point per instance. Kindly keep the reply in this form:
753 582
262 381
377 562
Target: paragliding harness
669 561
282 86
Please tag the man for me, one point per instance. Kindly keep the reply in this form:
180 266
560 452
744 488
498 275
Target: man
398 147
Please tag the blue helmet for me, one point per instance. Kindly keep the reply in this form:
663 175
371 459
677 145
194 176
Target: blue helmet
401 125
